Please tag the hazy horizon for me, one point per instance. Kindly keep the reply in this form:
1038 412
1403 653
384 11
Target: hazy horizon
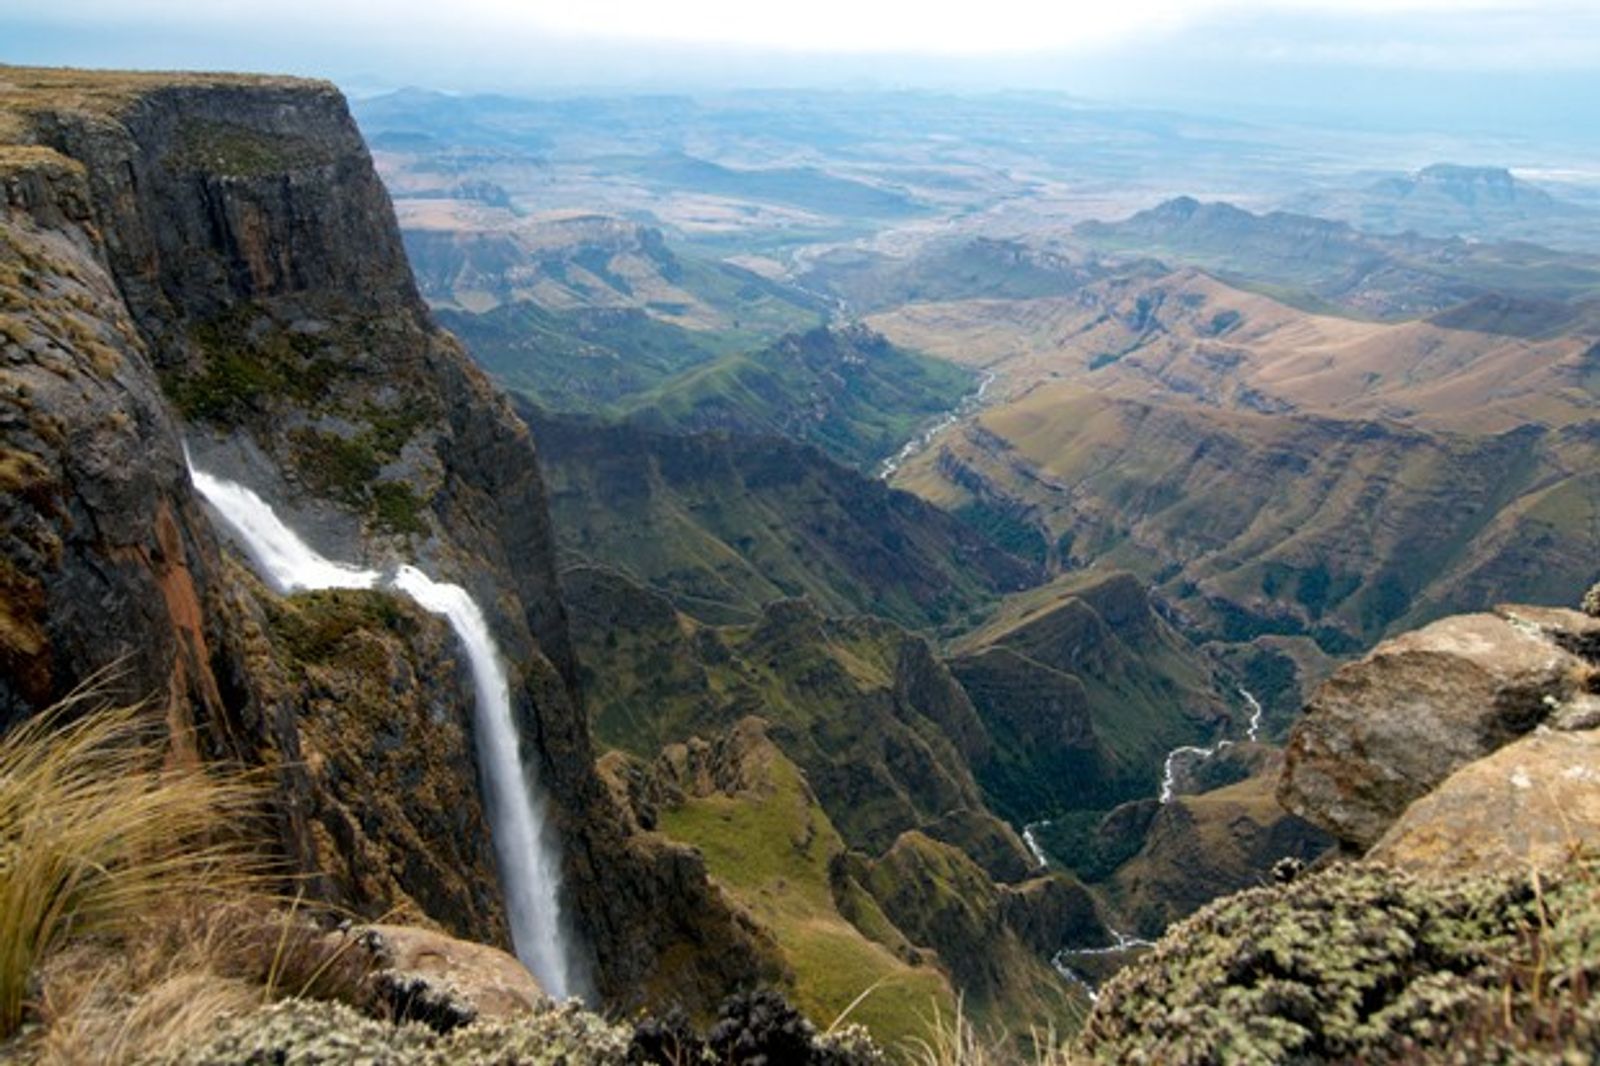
1508 67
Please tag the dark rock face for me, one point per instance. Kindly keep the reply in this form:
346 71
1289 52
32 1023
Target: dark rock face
1044 739
105 558
219 250
382 708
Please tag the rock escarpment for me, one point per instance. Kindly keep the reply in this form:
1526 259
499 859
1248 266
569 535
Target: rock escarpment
1201 847
1084 688
214 256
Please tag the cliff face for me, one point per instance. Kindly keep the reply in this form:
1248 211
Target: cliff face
107 559
215 255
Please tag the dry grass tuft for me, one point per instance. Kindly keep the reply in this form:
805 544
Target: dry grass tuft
165 983
99 835
954 1040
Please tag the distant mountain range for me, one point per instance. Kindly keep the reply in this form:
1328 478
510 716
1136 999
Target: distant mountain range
1449 200
1318 264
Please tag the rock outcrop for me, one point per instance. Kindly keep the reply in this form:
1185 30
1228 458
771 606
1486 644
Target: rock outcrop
1385 731
1084 688
1201 847
442 982
882 729
1535 803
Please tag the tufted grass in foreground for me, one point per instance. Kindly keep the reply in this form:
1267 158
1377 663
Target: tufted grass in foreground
99 831
954 1040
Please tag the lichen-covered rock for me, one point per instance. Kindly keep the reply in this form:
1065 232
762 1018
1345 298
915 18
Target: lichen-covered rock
1367 964
1533 803
297 1032
1384 731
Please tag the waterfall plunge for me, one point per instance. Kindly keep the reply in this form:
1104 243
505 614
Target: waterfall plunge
529 864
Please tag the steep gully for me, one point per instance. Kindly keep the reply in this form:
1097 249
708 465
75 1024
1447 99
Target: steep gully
524 845
1121 942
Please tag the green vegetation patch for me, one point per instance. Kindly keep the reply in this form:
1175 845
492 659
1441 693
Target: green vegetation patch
240 151
848 391
246 367
315 626
347 469
772 850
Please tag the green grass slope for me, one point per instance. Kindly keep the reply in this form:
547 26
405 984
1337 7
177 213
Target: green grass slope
848 391
771 847
582 360
726 524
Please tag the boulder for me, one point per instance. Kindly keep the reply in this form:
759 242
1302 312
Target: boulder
442 982
1533 803
1384 731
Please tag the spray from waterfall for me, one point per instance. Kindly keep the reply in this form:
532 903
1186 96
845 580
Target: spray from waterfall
523 842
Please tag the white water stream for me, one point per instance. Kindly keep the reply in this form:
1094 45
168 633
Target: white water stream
968 405
1169 768
1121 941
530 868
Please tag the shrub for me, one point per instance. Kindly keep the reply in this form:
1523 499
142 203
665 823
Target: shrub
1367 964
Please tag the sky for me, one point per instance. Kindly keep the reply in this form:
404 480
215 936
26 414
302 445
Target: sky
1504 63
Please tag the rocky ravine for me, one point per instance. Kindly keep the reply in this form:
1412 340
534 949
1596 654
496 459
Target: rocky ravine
213 260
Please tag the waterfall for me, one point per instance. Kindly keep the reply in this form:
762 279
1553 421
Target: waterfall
523 843
530 869
287 562
1030 837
